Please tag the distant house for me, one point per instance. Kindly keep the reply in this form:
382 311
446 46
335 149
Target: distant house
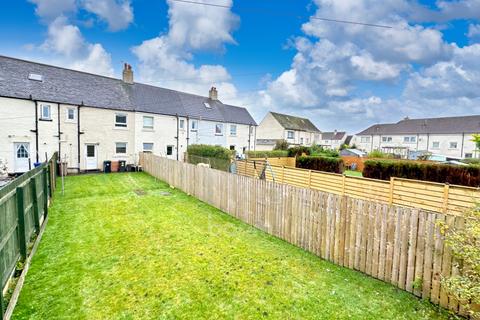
89 118
352 153
333 140
449 136
296 131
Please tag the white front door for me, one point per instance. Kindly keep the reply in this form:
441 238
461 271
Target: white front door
22 156
91 162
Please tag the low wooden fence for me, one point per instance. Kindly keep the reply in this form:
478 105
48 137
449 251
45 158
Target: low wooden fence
438 197
401 246
23 208
280 161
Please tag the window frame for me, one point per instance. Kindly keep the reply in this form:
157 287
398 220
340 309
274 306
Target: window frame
233 132
450 145
121 124
181 124
147 143
148 127
116 148
219 125
194 125
290 134
387 138
365 139
171 148
42 114
74 115
437 143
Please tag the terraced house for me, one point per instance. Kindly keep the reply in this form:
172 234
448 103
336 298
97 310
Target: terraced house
89 118
447 137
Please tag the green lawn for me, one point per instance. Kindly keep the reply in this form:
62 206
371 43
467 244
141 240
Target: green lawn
353 173
124 246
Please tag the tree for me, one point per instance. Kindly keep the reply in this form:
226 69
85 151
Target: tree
465 245
281 145
476 140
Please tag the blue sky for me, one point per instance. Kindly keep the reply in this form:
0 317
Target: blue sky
269 54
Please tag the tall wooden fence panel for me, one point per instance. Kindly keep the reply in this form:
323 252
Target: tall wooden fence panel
23 208
438 197
399 245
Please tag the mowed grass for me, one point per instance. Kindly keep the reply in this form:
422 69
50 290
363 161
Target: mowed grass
124 246
352 173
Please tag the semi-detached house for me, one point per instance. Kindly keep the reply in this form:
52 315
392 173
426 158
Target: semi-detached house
89 118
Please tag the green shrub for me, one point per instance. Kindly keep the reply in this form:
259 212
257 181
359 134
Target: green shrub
471 161
379 154
298 151
321 152
281 145
465 245
267 154
327 164
443 173
204 150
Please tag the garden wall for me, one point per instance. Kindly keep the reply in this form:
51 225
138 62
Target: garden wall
399 245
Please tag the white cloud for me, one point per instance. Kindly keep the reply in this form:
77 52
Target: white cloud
49 10
117 14
166 59
63 38
373 70
474 31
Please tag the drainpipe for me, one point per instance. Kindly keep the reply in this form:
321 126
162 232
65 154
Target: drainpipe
428 141
254 138
463 142
249 136
178 133
418 137
78 136
188 131
36 130
371 145
59 133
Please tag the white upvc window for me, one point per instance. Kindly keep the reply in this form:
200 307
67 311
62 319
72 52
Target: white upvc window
147 122
169 150
121 148
410 139
435 145
194 125
233 129
46 112
301 140
290 135
219 129
387 139
71 114
181 124
120 120
364 139
453 145
147 147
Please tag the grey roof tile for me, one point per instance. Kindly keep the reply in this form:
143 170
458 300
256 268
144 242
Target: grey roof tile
74 87
294 123
446 125
338 135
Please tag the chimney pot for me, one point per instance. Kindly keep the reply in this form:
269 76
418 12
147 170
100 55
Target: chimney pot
213 94
127 73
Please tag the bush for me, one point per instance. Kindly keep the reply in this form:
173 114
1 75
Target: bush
327 164
209 151
321 152
298 151
267 154
471 161
380 155
465 245
281 145
443 173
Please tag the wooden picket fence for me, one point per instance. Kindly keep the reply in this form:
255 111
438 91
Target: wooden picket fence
23 208
399 245
432 196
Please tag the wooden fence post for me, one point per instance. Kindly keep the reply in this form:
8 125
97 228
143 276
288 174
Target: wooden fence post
36 217
45 192
392 185
446 191
309 179
21 221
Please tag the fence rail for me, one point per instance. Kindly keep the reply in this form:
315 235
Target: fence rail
23 208
399 245
432 196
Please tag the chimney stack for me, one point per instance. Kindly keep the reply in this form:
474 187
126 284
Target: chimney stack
213 94
127 73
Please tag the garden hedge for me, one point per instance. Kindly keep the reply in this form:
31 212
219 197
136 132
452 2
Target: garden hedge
267 154
298 151
209 151
327 164
443 173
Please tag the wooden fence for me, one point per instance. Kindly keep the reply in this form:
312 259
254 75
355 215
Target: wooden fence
23 208
280 161
432 196
401 246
